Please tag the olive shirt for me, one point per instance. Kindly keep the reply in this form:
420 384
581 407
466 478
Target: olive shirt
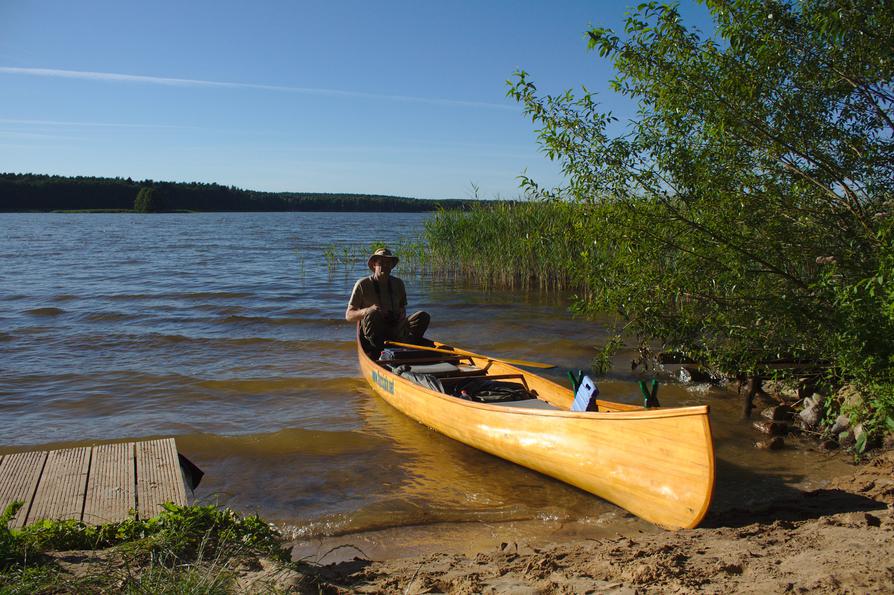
391 294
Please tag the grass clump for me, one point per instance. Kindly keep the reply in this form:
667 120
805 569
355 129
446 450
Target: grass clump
185 549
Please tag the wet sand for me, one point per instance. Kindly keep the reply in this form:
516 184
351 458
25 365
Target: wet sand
838 538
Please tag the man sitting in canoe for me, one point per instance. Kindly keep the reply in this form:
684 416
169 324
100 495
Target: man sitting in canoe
379 302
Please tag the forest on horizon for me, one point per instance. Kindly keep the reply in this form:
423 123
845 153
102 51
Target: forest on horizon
41 193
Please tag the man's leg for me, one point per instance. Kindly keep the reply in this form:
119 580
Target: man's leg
418 324
398 331
372 326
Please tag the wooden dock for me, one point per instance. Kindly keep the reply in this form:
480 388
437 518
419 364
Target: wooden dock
93 484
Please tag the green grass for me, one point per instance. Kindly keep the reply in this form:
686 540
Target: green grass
185 549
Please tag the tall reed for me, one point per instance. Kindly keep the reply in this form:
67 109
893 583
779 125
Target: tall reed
509 245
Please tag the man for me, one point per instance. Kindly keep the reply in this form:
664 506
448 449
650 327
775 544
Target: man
379 303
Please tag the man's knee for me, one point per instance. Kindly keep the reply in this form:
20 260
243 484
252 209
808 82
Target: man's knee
372 323
418 323
373 316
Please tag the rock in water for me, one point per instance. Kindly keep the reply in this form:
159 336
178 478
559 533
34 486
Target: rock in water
779 413
774 443
688 374
771 428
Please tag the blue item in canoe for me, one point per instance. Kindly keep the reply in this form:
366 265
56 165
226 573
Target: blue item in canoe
585 398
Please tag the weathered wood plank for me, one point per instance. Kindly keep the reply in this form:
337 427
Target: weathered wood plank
19 477
63 485
111 487
158 476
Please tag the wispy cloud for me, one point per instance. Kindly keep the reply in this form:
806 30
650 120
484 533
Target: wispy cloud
180 82
54 123
34 136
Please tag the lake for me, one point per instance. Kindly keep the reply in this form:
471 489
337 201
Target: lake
227 331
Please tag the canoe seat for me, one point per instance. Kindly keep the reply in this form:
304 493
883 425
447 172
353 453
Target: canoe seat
439 369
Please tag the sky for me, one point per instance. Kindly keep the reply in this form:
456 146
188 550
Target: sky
400 98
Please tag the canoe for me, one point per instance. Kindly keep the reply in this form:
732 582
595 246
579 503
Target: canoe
657 463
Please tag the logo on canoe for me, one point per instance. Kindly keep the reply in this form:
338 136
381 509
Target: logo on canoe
383 382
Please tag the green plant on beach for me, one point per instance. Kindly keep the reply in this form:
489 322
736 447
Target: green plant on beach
11 551
192 549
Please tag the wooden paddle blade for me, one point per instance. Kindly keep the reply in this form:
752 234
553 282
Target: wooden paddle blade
514 362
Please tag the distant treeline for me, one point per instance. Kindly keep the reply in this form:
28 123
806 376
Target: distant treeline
34 192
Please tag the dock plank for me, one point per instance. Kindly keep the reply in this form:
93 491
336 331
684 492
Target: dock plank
111 487
63 486
98 484
158 476
19 477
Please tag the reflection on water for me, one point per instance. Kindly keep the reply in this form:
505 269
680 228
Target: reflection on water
226 331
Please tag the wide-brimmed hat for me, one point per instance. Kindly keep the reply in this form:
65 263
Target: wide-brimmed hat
381 253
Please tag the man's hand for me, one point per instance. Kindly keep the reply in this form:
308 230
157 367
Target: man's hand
354 314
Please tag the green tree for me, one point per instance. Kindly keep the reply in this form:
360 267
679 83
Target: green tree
148 200
743 215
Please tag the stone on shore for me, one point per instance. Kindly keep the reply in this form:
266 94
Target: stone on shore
846 438
842 424
812 412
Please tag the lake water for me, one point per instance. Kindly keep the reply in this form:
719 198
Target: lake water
227 332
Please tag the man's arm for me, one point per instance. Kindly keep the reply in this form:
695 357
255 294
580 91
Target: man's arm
353 314
355 310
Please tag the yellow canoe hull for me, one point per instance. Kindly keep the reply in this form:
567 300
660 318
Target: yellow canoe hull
656 463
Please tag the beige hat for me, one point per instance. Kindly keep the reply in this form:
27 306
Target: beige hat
381 253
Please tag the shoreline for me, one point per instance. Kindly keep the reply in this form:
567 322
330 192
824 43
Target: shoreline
838 537
835 538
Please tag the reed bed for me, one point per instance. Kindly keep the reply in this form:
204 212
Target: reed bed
537 245
509 245
413 254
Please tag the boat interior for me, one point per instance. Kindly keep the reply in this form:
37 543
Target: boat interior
461 376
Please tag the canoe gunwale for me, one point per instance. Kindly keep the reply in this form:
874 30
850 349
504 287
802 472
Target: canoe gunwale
562 413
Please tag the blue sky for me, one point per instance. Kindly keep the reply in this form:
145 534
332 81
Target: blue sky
404 98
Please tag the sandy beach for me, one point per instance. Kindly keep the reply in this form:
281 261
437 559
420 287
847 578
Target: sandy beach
836 539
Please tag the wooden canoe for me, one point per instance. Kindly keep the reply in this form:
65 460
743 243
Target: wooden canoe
656 463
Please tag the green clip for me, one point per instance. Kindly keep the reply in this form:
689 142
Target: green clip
642 389
575 382
650 397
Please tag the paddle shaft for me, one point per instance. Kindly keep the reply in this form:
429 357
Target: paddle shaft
514 362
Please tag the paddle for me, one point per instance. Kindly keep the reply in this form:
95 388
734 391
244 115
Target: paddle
514 362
